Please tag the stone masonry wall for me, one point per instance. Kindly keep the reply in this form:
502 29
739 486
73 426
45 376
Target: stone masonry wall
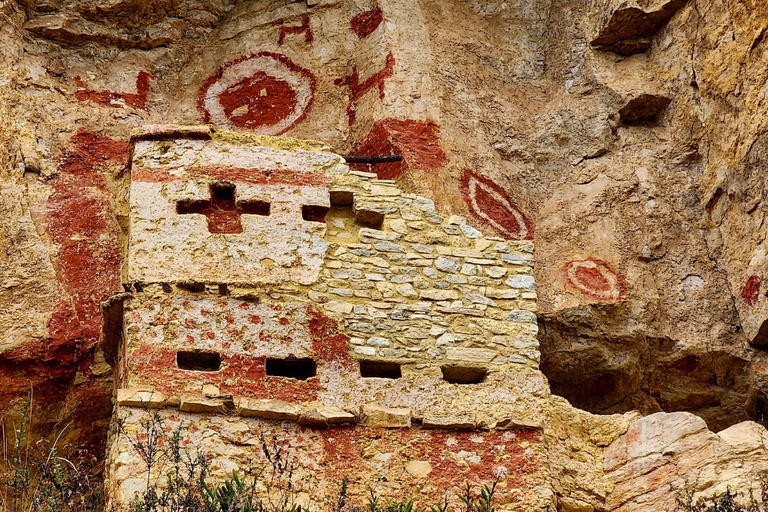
273 290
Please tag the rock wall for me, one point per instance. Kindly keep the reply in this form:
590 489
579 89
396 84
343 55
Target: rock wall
259 294
623 137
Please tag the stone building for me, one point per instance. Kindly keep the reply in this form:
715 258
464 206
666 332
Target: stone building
272 289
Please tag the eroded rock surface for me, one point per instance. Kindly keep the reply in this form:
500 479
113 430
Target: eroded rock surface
647 216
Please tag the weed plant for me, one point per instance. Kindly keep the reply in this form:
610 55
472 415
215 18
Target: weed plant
177 481
729 502
41 478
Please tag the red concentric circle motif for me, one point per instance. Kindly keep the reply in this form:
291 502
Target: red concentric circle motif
490 203
596 279
264 92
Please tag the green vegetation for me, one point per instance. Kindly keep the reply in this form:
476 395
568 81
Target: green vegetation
729 502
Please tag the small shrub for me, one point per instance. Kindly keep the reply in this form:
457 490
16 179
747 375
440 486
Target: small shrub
46 478
729 502
188 487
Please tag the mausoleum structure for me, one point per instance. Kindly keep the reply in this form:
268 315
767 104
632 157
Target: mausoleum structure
271 289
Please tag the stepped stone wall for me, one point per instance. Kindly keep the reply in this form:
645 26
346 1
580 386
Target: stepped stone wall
381 339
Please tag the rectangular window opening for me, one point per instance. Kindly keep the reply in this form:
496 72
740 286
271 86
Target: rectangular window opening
314 213
369 219
300 369
198 361
254 208
380 370
341 198
464 374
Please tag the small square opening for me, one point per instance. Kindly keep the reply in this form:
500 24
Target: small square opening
375 369
198 361
300 369
464 374
314 213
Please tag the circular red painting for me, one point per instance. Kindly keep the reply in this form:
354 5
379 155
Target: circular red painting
264 92
595 278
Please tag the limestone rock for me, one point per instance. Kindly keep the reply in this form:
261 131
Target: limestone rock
377 416
268 409
324 416
145 398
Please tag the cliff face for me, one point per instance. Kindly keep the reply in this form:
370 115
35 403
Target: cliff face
626 138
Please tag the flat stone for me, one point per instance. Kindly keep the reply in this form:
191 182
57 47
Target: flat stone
361 327
520 315
460 421
424 204
468 270
407 291
398 226
423 249
339 306
409 213
496 272
471 232
511 258
375 234
462 252
385 417
446 264
455 279
388 247
480 261
498 293
479 299
439 295
268 409
521 282
140 397
324 416
471 355
376 341
451 230
202 404
341 292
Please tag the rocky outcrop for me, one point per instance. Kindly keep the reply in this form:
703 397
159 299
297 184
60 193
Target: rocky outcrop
627 139
664 452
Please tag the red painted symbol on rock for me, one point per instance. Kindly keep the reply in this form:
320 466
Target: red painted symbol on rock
417 141
359 89
222 210
490 203
365 23
304 28
596 279
265 92
751 291
117 99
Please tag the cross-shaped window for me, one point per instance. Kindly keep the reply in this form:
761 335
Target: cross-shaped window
222 210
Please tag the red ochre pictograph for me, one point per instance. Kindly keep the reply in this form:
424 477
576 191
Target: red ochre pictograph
751 291
365 23
417 141
304 28
264 92
596 279
490 203
117 99
359 89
